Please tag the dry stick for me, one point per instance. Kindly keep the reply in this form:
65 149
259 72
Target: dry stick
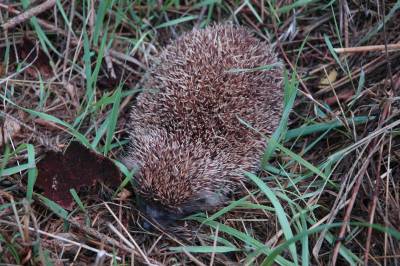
338 101
214 246
11 23
129 235
385 114
18 224
374 134
118 233
126 241
109 64
125 57
99 235
306 91
63 239
50 27
41 22
368 48
387 199
377 62
340 201
172 237
359 178
92 13
373 207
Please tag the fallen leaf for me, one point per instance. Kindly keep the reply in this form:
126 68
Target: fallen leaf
124 194
78 167
8 129
331 78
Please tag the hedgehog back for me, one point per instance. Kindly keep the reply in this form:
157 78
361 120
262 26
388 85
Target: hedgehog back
188 115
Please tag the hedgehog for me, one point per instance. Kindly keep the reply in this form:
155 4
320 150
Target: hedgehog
189 133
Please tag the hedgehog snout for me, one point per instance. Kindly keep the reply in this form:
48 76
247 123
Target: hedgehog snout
156 213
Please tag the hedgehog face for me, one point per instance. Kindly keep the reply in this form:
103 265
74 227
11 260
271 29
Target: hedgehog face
166 216
156 212
170 191
176 177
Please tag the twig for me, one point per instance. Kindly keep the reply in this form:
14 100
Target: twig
18 224
387 199
358 178
109 64
129 235
40 136
41 22
126 241
91 18
366 140
98 235
368 68
373 207
368 48
65 240
125 57
214 246
28 14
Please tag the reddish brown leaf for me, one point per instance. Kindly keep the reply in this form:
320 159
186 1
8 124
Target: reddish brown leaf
78 167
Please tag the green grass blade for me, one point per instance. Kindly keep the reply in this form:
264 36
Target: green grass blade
54 207
279 211
320 127
32 173
253 10
332 51
53 119
176 21
113 117
204 249
255 69
250 242
128 176
296 4
305 251
290 93
101 13
227 209
392 13
271 258
22 167
77 199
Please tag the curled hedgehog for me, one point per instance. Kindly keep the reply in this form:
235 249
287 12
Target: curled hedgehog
185 130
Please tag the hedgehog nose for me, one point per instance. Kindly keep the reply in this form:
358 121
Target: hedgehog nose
146 225
154 215
151 214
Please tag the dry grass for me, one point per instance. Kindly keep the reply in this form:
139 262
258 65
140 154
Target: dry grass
330 190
